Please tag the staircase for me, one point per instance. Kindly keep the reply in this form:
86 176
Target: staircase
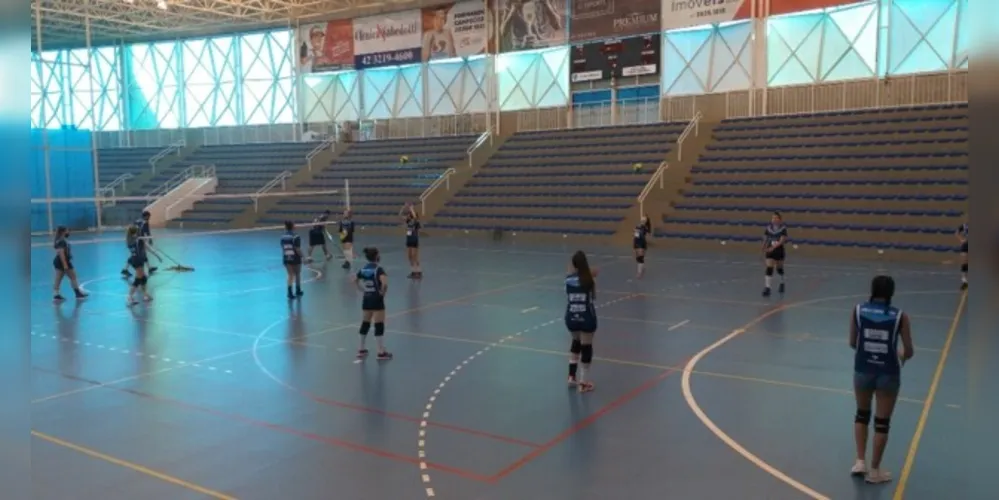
436 196
135 183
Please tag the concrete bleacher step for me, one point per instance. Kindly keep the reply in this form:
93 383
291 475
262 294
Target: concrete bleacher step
889 235
858 174
847 201
833 187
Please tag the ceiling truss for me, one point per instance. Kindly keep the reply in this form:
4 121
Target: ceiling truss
64 23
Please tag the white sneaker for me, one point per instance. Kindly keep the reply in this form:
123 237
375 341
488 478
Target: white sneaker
877 476
859 468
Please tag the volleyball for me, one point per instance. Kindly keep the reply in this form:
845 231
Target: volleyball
637 167
403 159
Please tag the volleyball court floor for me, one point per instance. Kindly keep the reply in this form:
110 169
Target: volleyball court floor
222 388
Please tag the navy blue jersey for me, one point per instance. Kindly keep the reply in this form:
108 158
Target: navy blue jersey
136 247
319 224
143 226
346 230
291 245
369 277
579 307
773 234
62 243
641 233
963 231
413 228
878 328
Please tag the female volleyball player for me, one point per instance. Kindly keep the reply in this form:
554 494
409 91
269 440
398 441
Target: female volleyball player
413 226
317 235
962 236
641 243
580 319
774 238
63 263
875 329
137 260
142 224
291 251
372 281
346 232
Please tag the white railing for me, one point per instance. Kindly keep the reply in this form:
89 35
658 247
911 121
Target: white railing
279 180
657 178
445 179
323 146
174 147
486 136
158 138
416 127
108 191
192 172
250 134
693 127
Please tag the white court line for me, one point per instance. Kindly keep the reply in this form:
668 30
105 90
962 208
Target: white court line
529 309
688 394
678 325
127 352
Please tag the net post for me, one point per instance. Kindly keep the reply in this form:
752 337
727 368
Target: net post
346 189
94 157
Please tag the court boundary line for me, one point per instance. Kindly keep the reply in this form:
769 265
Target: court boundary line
910 456
701 415
166 478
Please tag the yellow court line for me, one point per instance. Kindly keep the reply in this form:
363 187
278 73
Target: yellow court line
910 457
132 466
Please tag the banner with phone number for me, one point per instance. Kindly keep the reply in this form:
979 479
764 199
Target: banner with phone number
388 39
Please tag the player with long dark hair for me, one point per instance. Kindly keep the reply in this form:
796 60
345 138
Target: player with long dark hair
774 253
291 255
63 264
372 281
413 226
876 327
137 260
580 319
640 243
345 230
317 236
962 236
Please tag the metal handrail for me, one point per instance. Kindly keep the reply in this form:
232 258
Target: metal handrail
486 136
692 126
174 147
271 184
323 146
445 178
656 177
192 172
108 191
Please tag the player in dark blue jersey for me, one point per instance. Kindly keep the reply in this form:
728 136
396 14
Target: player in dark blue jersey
774 238
346 231
875 331
962 236
63 264
413 226
142 223
640 243
137 260
372 281
317 235
291 256
580 320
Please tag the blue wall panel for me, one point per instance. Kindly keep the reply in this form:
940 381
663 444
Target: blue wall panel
71 175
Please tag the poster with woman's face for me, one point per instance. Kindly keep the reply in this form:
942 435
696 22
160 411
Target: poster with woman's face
531 24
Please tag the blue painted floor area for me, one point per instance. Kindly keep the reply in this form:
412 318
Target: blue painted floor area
220 383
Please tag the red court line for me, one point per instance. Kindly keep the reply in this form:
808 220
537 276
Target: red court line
278 428
586 422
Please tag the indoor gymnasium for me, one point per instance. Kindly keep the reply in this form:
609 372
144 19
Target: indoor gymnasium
511 249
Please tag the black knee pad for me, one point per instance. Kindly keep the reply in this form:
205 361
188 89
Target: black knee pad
575 347
780 271
862 417
882 425
587 354
137 282
640 259
140 281
379 329
964 268
365 327
770 271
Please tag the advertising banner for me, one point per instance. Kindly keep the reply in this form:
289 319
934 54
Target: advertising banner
687 13
388 39
325 46
455 30
596 19
779 7
531 24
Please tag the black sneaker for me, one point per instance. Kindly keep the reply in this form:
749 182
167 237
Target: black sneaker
152 270
766 292
780 289
346 265
299 293
79 294
58 298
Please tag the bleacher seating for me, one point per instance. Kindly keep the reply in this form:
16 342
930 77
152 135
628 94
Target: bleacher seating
114 162
379 182
887 179
240 169
577 181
